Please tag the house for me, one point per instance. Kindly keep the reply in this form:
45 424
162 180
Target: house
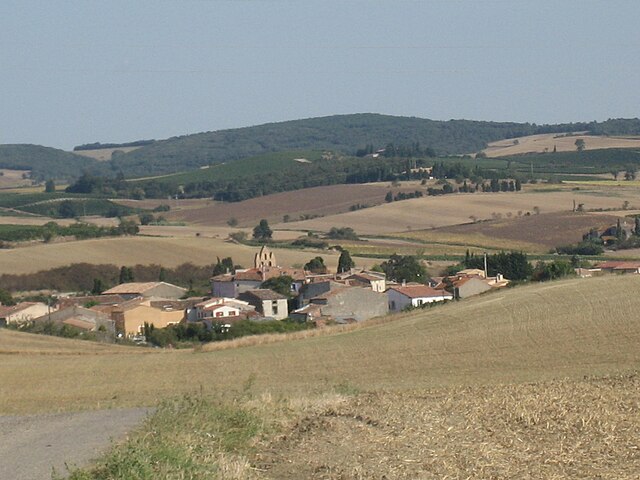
23 312
213 308
232 285
618 266
414 295
131 316
376 281
462 287
268 303
81 318
146 290
343 304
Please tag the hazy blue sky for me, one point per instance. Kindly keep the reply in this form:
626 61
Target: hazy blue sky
82 71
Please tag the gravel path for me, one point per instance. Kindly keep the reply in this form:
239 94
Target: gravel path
32 446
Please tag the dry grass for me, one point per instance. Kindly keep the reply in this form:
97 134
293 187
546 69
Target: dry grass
169 252
16 343
13 178
588 428
546 142
432 212
539 332
103 154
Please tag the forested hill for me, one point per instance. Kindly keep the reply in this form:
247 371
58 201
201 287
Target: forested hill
339 133
44 162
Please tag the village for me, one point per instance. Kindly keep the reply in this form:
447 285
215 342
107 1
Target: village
317 299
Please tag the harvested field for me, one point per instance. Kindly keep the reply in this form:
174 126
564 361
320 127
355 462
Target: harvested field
311 201
433 212
546 143
103 154
147 250
534 333
210 232
13 178
16 343
534 234
587 428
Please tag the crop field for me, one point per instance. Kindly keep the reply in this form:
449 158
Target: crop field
534 234
169 252
326 200
13 178
446 210
562 142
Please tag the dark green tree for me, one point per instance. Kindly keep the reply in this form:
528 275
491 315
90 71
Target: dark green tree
126 275
223 266
316 265
404 268
50 186
6 298
98 287
388 197
280 284
580 144
636 227
162 275
345 262
262 232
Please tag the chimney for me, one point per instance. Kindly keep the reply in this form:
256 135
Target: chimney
404 283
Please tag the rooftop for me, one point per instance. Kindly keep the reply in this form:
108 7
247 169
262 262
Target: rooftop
137 287
418 291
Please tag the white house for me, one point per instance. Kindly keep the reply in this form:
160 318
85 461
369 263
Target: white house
23 312
414 295
215 308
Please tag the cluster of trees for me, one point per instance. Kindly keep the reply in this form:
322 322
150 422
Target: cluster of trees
404 268
50 230
81 277
342 233
189 333
389 197
513 265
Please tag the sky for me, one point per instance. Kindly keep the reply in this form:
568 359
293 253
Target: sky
84 71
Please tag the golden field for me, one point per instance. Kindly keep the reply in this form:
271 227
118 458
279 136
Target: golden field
547 141
168 251
433 212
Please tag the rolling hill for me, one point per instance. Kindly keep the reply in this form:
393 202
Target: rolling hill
43 162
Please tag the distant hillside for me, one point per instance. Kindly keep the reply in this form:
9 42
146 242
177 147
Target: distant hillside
44 162
340 133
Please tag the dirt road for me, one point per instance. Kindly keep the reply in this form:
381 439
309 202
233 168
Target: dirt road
33 446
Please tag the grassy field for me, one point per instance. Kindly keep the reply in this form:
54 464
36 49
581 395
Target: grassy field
546 143
103 154
168 251
433 212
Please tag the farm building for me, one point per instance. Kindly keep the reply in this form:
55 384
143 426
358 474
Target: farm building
81 318
22 312
342 303
146 290
268 303
414 295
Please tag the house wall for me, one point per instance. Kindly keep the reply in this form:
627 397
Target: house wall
277 309
221 312
135 318
397 301
472 287
357 303
28 314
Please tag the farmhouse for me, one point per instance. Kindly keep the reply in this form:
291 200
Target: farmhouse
130 316
343 304
214 308
22 312
146 290
462 287
414 295
233 284
81 318
267 303
617 266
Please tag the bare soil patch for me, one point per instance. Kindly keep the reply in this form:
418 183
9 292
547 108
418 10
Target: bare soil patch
319 201
536 233
13 178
